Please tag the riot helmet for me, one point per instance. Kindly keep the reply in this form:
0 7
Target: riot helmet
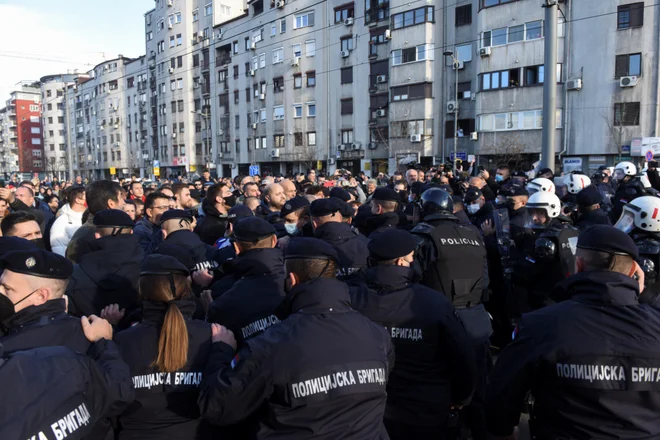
642 213
436 201
541 184
542 207
623 169
577 182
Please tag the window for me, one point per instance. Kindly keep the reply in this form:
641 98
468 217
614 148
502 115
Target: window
524 32
347 43
181 127
298 139
410 55
173 106
344 12
208 9
525 120
412 18
297 50
236 97
628 65
488 3
35 130
500 80
630 16
273 30
311 109
463 15
414 91
310 48
177 17
180 105
36 141
62 147
237 121
179 84
262 60
173 85
303 20
626 113
534 30
516 33
234 46
255 63
278 141
195 15
347 106
464 90
464 52
235 72
278 113
311 138
297 110
50 119
278 55
282 26
50 107
297 81
172 43
247 43
347 75
278 84
347 136
311 79
52 147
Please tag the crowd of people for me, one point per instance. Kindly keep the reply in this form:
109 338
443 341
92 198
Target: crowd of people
332 306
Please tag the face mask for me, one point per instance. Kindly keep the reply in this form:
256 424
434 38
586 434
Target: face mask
511 205
6 308
39 243
230 201
291 228
473 208
499 178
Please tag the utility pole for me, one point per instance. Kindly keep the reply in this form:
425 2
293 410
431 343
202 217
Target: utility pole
69 149
550 86
456 64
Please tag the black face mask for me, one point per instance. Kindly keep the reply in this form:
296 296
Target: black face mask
39 243
6 308
230 201
511 205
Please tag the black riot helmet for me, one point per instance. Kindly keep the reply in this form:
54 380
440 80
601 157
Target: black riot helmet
437 204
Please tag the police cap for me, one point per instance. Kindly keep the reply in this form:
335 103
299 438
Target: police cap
473 193
310 248
112 218
239 212
391 244
252 229
323 207
589 196
176 214
38 263
545 171
9 244
158 264
181 255
386 194
293 205
345 209
340 193
519 173
517 190
605 238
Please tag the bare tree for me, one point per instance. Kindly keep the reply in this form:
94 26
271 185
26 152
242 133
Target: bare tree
508 149
306 155
617 133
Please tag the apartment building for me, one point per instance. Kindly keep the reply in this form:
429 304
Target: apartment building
8 146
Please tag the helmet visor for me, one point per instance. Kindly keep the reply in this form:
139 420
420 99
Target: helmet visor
619 174
626 222
537 218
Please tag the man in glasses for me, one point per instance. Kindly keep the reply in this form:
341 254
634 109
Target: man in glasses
148 228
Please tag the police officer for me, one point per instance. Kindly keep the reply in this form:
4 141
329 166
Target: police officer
385 211
453 261
351 247
166 354
423 386
236 213
110 274
297 222
34 282
40 402
590 213
628 188
336 389
540 184
588 377
176 228
478 209
247 307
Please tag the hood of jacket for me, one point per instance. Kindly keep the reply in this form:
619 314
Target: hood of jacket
116 264
388 278
259 262
335 233
601 287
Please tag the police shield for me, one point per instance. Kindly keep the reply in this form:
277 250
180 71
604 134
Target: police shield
502 228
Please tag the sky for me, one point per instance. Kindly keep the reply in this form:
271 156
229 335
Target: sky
45 37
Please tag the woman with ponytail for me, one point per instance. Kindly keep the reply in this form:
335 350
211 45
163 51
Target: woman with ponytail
166 353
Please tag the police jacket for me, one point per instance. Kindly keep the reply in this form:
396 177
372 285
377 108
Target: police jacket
43 326
149 235
590 362
201 253
351 249
383 221
212 226
248 307
52 393
107 276
626 192
483 215
334 389
435 364
592 218
648 244
452 259
464 220
164 405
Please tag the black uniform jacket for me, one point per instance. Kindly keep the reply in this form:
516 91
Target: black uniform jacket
591 363
351 249
322 372
435 364
164 405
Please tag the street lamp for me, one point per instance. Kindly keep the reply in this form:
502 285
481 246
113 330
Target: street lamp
455 63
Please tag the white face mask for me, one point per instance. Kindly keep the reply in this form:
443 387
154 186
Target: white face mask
291 228
473 208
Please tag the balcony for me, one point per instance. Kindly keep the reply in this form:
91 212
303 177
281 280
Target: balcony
205 64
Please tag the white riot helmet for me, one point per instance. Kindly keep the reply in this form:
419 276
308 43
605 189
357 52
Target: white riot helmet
623 169
577 182
642 213
546 201
541 184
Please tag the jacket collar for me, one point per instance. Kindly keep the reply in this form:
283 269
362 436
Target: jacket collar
148 223
388 278
30 314
325 295
602 287
184 238
210 210
334 232
259 262
385 219
154 312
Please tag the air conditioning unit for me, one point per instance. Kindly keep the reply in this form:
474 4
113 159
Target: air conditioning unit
173 135
116 126
220 132
574 84
373 145
415 138
452 107
345 53
171 70
474 136
331 161
356 146
349 21
459 66
252 72
275 153
219 35
262 96
254 126
295 62
484 52
170 3
381 113
200 35
253 46
170 25
380 79
220 155
388 34
280 4
628 81
341 147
